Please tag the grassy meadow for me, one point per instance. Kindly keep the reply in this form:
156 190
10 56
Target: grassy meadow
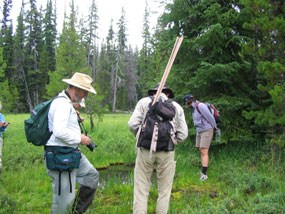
242 178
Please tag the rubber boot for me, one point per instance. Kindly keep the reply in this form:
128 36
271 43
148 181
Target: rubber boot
83 200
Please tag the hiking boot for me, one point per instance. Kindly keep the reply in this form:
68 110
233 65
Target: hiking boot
203 177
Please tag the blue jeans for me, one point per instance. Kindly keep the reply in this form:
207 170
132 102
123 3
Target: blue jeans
85 175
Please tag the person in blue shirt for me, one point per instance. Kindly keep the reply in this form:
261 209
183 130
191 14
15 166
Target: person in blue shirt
3 127
205 126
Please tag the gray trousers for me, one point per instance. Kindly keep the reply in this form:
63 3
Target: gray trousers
86 175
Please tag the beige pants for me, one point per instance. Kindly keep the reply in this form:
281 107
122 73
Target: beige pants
164 164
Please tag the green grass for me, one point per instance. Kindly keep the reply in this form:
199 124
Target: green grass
242 178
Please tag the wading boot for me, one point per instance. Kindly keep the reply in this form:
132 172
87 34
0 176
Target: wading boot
83 199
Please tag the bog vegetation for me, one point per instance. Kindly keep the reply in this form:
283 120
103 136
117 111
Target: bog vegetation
232 56
243 178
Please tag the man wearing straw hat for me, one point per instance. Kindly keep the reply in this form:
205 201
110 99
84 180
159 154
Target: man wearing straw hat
66 133
161 161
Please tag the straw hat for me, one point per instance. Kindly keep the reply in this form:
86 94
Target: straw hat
82 81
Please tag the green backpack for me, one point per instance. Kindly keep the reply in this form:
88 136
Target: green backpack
36 126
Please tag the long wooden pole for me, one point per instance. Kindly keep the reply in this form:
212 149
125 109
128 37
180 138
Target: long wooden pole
168 67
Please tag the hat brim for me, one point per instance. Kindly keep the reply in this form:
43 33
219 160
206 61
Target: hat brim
151 92
89 89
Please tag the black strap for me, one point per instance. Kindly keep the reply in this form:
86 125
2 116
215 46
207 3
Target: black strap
81 125
70 184
59 179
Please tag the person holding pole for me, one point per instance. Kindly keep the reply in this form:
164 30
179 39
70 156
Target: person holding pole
161 161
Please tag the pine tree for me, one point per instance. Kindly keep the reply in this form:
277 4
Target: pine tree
24 102
265 23
110 59
145 70
9 92
48 59
91 36
30 45
7 39
70 56
119 68
131 77
210 63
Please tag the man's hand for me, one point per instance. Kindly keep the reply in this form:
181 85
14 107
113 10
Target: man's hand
85 140
4 124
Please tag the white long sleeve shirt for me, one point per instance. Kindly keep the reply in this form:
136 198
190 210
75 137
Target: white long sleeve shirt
63 122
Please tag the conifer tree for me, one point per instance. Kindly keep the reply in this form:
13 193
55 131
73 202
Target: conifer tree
110 64
19 59
131 67
33 44
265 22
8 79
70 56
119 69
48 60
145 72
7 39
91 36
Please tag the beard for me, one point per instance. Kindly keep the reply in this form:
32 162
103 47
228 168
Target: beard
77 98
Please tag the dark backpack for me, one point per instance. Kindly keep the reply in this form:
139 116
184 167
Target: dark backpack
36 126
159 115
213 111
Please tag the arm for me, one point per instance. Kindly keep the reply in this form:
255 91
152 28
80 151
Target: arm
181 125
3 124
138 115
64 124
207 115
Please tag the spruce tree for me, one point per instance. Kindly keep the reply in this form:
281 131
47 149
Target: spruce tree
70 56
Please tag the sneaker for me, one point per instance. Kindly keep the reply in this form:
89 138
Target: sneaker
203 177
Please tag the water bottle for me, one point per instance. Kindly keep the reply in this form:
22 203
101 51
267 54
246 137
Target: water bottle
218 135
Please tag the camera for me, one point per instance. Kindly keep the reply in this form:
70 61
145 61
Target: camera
91 146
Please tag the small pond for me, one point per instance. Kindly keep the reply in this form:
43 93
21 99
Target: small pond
122 174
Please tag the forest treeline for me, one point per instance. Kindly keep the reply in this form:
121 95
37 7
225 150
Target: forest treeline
232 55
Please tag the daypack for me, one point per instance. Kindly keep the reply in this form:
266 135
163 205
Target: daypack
213 111
158 126
36 126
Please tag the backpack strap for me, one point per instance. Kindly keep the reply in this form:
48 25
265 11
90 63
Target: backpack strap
141 127
197 103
